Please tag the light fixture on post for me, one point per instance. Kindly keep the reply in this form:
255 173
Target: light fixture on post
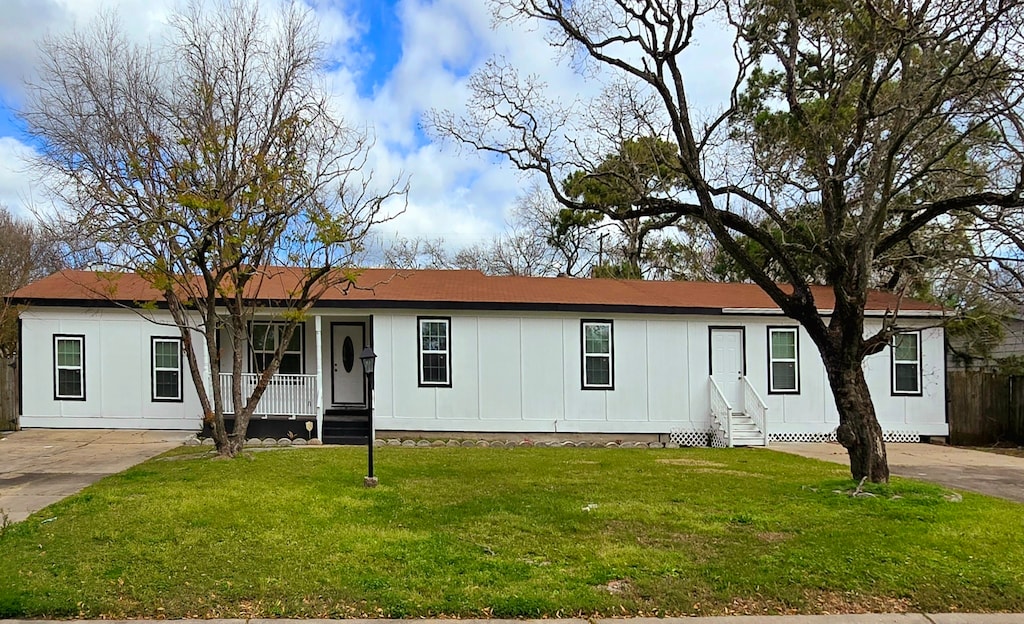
369 358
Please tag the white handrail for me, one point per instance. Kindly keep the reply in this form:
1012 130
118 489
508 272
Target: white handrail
756 408
285 395
720 409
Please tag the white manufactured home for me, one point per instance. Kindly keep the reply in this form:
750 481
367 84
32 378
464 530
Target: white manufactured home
461 352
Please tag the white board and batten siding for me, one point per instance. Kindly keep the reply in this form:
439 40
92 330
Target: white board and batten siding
510 372
522 373
118 368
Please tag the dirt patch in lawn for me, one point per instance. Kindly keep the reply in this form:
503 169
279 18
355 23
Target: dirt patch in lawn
773 536
820 602
617 586
682 461
704 466
700 547
726 471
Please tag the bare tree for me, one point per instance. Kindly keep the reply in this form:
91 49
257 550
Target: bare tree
527 247
201 164
886 117
27 253
418 252
569 247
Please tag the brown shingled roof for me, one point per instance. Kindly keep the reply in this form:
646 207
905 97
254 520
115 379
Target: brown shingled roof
462 289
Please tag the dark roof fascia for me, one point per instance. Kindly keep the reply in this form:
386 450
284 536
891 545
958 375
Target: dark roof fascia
518 306
87 303
364 304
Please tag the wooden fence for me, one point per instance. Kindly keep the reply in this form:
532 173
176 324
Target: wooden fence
985 407
8 394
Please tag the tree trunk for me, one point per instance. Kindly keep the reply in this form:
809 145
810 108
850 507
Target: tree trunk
232 442
858 431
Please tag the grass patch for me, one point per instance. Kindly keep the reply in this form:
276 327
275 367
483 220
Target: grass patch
506 533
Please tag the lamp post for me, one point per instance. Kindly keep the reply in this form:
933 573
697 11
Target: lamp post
369 358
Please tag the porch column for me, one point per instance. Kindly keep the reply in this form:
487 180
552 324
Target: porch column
318 325
207 372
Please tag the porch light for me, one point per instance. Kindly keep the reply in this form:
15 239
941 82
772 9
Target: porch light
368 357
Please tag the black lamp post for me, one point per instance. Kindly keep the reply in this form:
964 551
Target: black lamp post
368 358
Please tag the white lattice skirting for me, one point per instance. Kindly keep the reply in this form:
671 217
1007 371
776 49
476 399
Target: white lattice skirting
689 437
715 439
888 436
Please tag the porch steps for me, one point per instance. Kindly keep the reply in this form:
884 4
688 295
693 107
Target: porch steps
745 431
346 429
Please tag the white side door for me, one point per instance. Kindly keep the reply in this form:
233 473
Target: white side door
727 363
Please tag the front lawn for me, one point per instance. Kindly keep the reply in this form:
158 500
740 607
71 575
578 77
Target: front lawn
496 532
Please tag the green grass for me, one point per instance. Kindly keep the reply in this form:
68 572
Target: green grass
509 533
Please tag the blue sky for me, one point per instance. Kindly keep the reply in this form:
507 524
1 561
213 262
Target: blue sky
391 61
382 41
10 125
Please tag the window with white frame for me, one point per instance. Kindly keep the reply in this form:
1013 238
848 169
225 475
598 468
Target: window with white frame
166 354
435 362
266 336
69 367
598 363
906 363
784 360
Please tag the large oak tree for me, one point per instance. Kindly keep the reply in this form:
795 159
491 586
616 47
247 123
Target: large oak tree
868 121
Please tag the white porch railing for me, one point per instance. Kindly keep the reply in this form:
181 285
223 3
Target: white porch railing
755 407
285 395
721 411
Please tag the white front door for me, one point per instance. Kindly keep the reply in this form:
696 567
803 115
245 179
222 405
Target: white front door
727 364
347 382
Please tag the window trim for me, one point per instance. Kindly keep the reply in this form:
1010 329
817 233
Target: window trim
447 320
795 330
153 370
80 338
584 355
300 329
893 362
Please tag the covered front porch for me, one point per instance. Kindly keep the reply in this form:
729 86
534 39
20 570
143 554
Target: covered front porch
319 391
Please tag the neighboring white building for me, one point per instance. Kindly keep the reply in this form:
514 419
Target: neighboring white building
462 352
966 353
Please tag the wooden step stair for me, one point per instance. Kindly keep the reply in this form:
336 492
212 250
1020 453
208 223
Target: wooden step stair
745 431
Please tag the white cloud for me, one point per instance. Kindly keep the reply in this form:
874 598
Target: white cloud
459 196
25 22
16 187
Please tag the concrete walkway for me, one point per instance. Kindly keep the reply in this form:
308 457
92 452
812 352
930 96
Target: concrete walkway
964 469
39 467
870 618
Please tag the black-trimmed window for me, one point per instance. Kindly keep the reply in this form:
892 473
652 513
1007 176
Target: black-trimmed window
783 360
435 362
906 363
69 367
266 336
598 355
165 354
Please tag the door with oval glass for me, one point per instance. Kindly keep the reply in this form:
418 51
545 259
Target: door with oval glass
348 387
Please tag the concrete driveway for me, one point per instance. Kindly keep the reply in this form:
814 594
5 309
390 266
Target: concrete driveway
41 466
965 469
